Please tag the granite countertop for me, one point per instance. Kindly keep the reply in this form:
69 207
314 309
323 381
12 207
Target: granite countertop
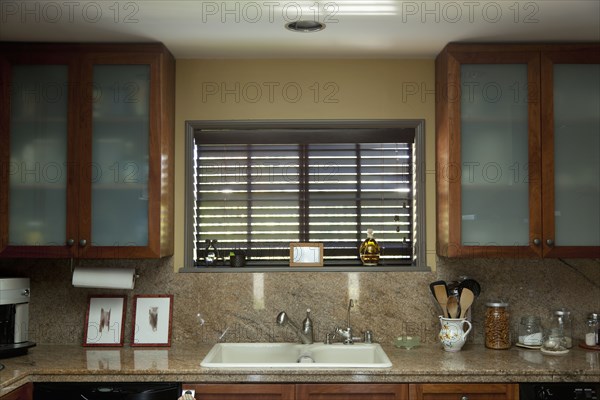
426 363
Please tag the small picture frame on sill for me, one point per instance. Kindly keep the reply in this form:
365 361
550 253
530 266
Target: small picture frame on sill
306 254
152 318
105 321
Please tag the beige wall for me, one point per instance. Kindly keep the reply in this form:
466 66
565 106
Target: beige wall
304 89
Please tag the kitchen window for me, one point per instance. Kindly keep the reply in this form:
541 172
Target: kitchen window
257 186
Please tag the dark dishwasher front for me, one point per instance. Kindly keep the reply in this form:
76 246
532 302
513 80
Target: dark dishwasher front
559 391
106 391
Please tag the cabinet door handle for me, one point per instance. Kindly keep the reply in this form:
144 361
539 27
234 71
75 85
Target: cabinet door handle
187 395
550 242
70 242
82 242
464 398
537 241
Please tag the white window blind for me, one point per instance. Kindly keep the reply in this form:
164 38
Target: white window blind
260 190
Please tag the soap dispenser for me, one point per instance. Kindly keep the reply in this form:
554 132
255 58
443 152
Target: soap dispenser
307 326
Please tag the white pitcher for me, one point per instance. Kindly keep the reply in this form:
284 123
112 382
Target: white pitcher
452 335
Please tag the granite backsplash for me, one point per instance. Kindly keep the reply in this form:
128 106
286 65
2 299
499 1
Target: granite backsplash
240 307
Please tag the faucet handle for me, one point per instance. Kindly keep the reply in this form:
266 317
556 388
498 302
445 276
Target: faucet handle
368 336
329 337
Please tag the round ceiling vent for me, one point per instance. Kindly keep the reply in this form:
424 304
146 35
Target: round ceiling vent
305 26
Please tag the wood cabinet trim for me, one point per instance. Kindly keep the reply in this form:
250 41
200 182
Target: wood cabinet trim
399 391
510 391
24 392
286 391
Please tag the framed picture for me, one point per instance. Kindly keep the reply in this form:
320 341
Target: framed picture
306 254
152 316
105 321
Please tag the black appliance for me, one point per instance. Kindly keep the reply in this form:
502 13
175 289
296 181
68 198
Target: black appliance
106 391
559 391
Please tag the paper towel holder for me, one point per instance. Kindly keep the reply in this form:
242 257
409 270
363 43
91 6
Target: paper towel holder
104 278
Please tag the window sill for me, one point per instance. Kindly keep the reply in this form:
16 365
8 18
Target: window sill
336 268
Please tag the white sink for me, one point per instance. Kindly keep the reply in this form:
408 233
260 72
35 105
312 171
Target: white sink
291 355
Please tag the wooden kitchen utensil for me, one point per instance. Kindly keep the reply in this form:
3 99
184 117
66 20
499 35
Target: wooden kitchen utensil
452 306
470 284
440 292
466 300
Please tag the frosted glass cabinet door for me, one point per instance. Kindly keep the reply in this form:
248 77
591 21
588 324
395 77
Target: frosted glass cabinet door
494 155
38 155
120 142
577 154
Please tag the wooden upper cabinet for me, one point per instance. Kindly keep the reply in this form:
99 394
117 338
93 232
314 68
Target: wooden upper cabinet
571 152
498 191
87 150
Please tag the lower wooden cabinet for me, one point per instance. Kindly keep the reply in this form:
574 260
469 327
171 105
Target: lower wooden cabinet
331 391
243 391
317 391
352 391
470 391
25 392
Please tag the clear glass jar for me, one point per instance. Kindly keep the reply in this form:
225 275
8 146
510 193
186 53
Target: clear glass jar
554 340
593 330
497 325
530 331
563 321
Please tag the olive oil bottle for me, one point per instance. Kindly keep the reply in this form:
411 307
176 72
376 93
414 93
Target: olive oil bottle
370 250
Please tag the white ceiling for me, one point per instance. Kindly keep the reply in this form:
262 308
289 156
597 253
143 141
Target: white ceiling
255 29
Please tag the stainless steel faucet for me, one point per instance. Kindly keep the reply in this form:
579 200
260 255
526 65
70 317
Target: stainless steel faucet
306 333
347 333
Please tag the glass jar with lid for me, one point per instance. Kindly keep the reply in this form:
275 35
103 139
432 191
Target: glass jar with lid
530 331
593 330
497 325
562 317
554 340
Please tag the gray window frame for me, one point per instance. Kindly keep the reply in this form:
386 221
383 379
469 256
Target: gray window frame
419 168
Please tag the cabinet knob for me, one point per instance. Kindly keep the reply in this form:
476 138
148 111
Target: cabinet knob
537 241
82 242
70 242
550 242
464 398
187 395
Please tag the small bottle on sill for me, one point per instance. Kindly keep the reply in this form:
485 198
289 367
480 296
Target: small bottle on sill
211 253
370 250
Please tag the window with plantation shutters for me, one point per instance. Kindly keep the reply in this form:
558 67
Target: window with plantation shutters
258 189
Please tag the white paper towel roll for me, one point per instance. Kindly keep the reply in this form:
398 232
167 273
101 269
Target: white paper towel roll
106 278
